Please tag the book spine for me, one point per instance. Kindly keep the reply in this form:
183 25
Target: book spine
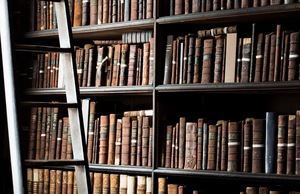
291 134
145 140
247 146
224 142
246 58
190 60
293 56
258 145
169 130
212 147
190 145
282 144
103 139
259 58
205 146
218 59
125 146
207 61
270 141
199 143
168 60
133 142
234 132
145 70
182 132
297 151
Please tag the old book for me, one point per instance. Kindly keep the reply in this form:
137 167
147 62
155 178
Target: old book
271 141
172 188
126 137
101 67
224 145
291 134
219 51
285 55
131 184
48 127
134 10
98 181
85 15
190 59
182 140
132 64
111 138
239 60
185 59
93 12
173 147
118 142
272 57
234 141
145 68
69 152
145 140
219 144
91 67
282 144
293 69
32 133
176 154
246 58
141 184
180 58
197 64
124 65
148 185
58 181
95 156
258 145
162 185
77 13
70 182
52 181
150 144
114 183
266 58
275 2
205 145
64 138
265 2
103 140
116 65
231 54
38 132
139 140
64 186
53 133
151 61
124 184
297 151
85 64
199 142
207 68
106 183
90 138
168 60
190 161
212 147
168 149
247 145
109 65
277 61
259 57
105 11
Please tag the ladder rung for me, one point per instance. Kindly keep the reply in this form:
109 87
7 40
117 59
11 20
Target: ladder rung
54 162
50 104
41 48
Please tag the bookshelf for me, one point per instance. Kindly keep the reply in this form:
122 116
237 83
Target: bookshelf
232 101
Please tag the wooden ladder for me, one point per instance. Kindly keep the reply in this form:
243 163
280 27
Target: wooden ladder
73 103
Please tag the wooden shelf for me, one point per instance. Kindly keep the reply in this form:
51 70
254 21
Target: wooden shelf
121 169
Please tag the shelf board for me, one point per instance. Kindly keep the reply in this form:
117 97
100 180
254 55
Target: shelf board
120 169
292 86
288 179
94 91
233 15
102 31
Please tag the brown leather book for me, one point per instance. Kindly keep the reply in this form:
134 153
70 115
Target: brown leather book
40 180
32 133
52 181
85 64
199 143
239 60
90 137
69 154
197 64
218 63
46 185
246 3
91 70
64 186
93 12
116 65
168 60
77 13
187 6
126 137
185 59
79 64
277 62
58 181
251 190
229 4
190 161
285 55
256 3
237 4
297 151
182 140
111 138
259 57
132 64
224 145
53 133
266 58
145 68
105 11
178 7
258 145
173 147
291 135
124 65
48 127
272 57
95 155
162 185
234 142
207 68
168 149
141 184
149 9
219 144
172 188
103 140
246 58
282 144
100 12
190 59
118 142
263 190
139 140
101 67
134 10
176 154
110 59
64 138
149 163
98 181
139 66
145 140
212 147
293 72
38 132
196 6
275 2
114 183
247 145
216 5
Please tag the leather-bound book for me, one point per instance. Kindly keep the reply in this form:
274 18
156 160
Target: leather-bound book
174 64
145 140
251 190
246 3
32 133
196 6
134 10
176 145
271 142
258 145
182 140
118 142
178 7
145 68
190 59
116 65
229 4
85 12
207 68
98 181
208 5
203 5
109 65
103 140
126 137
52 181
64 186
265 2
111 138
106 183
38 132
162 185
237 4
246 58
291 140
180 58
212 147
219 51
105 12
90 137
114 13
139 140
288 1
141 184
275 2
197 64
224 146
199 142
247 145
53 133
59 139
124 65
256 3
77 13
95 156
150 144
185 59
204 145
34 180
282 144
259 57
172 188
85 64
293 69
172 156
100 12
58 181
219 144
277 62
263 190
149 9
239 60
46 185
114 183
285 55
190 161
131 184
297 151
100 78
48 127
151 61
70 183
216 5
234 143
266 58
123 184
272 57
93 12
132 64
41 180
64 138
91 67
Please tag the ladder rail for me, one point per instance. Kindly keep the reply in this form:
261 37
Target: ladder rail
10 99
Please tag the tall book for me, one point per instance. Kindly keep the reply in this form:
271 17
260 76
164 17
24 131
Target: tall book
90 138
182 140
234 143
199 142
132 64
297 151
168 149
111 138
53 133
259 57
126 137
247 145
224 146
168 60
145 140
116 65
218 63
246 58
197 64
190 161
282 144
293 69
271 142
32 133
118 142
230 60
272 57
124 65
38 132
212 147
204 145
258 145
207 68
145 69
103 139
77 12
291 140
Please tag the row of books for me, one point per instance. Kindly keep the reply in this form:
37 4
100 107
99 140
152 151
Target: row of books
177 7
257 145
176 188
119 140
99 65
225 54
93 12
64 181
